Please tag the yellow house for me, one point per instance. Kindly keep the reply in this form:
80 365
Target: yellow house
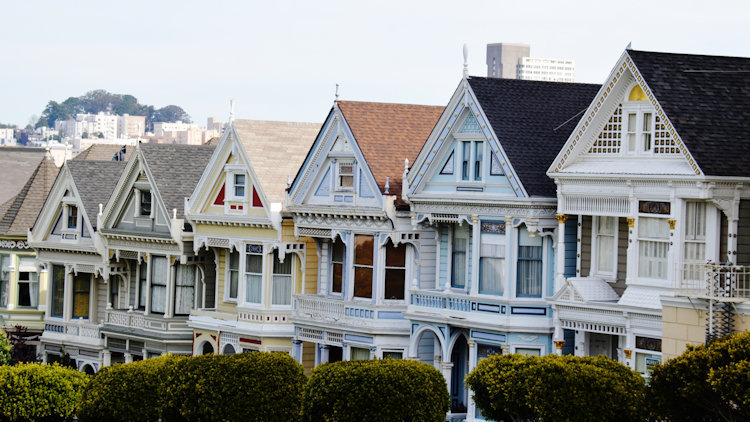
237 213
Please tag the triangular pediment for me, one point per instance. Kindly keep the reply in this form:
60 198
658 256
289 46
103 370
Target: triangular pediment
585 290
335 172
463 157
625 131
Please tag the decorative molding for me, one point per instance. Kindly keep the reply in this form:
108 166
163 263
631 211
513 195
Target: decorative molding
562 218
515 211
14 244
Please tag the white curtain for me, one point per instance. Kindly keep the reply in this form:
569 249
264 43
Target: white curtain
653 247
34 289
281 293
529 265
4 279
491 275
606 240
253 278
360 354
184 289
158 284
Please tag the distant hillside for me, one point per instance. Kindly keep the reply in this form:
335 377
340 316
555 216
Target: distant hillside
100 100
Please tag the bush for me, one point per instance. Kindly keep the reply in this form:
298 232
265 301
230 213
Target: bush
556 388
127 392
247 387
704 383
39 392
377 390
4 348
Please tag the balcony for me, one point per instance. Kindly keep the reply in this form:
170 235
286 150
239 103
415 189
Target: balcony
720 282
134 320
79 331
335 311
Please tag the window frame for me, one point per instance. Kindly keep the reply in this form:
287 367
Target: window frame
290 261
339 174
499 242
72 212
596 251
151 290
363 267
54 288
404 268
541 260
640 109
467 261
228 278
140 203
77 293
246 273
30 282
333 263
665 241
178 269
5 275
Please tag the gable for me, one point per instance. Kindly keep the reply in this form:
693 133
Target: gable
335 172
625 131
462 156
142 210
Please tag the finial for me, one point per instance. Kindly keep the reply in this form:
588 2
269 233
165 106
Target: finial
231 111
337 92
47 153
387 184
466 61
101 208
629 45
406 165
288 181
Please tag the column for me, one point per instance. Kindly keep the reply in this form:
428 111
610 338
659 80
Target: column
580 346
373 351
169 308
297 350
323 348
476 242
446 368
558 338
471 408
560 252
629 359
106 358
128 358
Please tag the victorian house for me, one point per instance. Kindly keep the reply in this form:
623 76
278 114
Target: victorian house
478 190
155 279
72 253
654 210
238 220
28 177
347 198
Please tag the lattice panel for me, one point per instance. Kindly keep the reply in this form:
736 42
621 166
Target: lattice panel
609 140
663 141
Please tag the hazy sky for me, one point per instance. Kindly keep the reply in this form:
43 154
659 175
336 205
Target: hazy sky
280 60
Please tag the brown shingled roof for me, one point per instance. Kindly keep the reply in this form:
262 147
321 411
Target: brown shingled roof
19 164
103 152
389 133
21 211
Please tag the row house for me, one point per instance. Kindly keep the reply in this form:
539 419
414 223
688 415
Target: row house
347 198
27 180
653 208
479 189
72 253
238 218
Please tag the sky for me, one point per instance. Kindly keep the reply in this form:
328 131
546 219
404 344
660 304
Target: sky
281 60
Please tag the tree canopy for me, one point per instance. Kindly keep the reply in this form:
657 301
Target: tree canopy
99 100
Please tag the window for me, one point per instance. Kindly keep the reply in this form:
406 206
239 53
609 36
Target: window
184 295
458 257
492 265
466 159
145 206
81 295
639 125
158 284
387 354
4 279
529 265
653 246
695 240
472 154
234 274
345 179
114 292
239 185
58 290
359 353
606 241
281 291
142 280
478 148
528 351
72 217
363 265
395 271
253 273
28 289
337 265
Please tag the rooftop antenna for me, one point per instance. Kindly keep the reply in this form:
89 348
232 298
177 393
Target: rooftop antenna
231 111
337 93
466 61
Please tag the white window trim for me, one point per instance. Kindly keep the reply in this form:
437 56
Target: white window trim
343 269
293 273
649 281
337 172
639 108
242 290
352 267
542 348
230 171
227 276
138 192
449 276
545 271
506 276
408 275
458 168
606 275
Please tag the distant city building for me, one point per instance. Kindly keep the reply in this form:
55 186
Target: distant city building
512 61
131 126
7 137
161 127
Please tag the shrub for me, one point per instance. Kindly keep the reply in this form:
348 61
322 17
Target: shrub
127 392
705 383
378 390
39 392
556 388
247 387
4 349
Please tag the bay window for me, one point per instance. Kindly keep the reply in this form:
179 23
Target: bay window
337 265
81 295
653 246
529 276
363 265
159 271
458 256
184 284
233 275
395 271
253 273
281 290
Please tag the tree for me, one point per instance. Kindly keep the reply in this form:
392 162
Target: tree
171 113
21 352
705 383
52 112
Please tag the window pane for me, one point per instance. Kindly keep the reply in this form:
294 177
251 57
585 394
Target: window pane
654 228
282 290
395 283
491 272
359 353
282 267
363 282
72 217
253 263
529 271
652 259
606 260
465 160
81 293
145 203
395 256
143 271
363 248
478 148
184 289
337 275
234 267
253 288
528 352
58 290
158 284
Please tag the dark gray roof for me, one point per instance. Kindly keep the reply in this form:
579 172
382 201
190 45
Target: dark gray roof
707 98
95 181
176 170
104 152
532 120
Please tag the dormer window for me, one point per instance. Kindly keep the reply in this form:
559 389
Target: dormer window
145 205
639 124
72 217
345 175
239 186
472 153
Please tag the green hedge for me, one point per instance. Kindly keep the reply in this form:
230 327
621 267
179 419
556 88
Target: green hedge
377 390
557 388
39 392
241 387
704 383
127 392
5 347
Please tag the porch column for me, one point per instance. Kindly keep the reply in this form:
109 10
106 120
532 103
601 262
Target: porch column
446 368
171 273
297 350
560 252
471 408
128 358
476 246
732 229
628 355
373 351
558 338
323 348
580 345
106 358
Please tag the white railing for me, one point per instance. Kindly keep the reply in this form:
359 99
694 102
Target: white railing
76 328
136 319
442 300
336 310
714 281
